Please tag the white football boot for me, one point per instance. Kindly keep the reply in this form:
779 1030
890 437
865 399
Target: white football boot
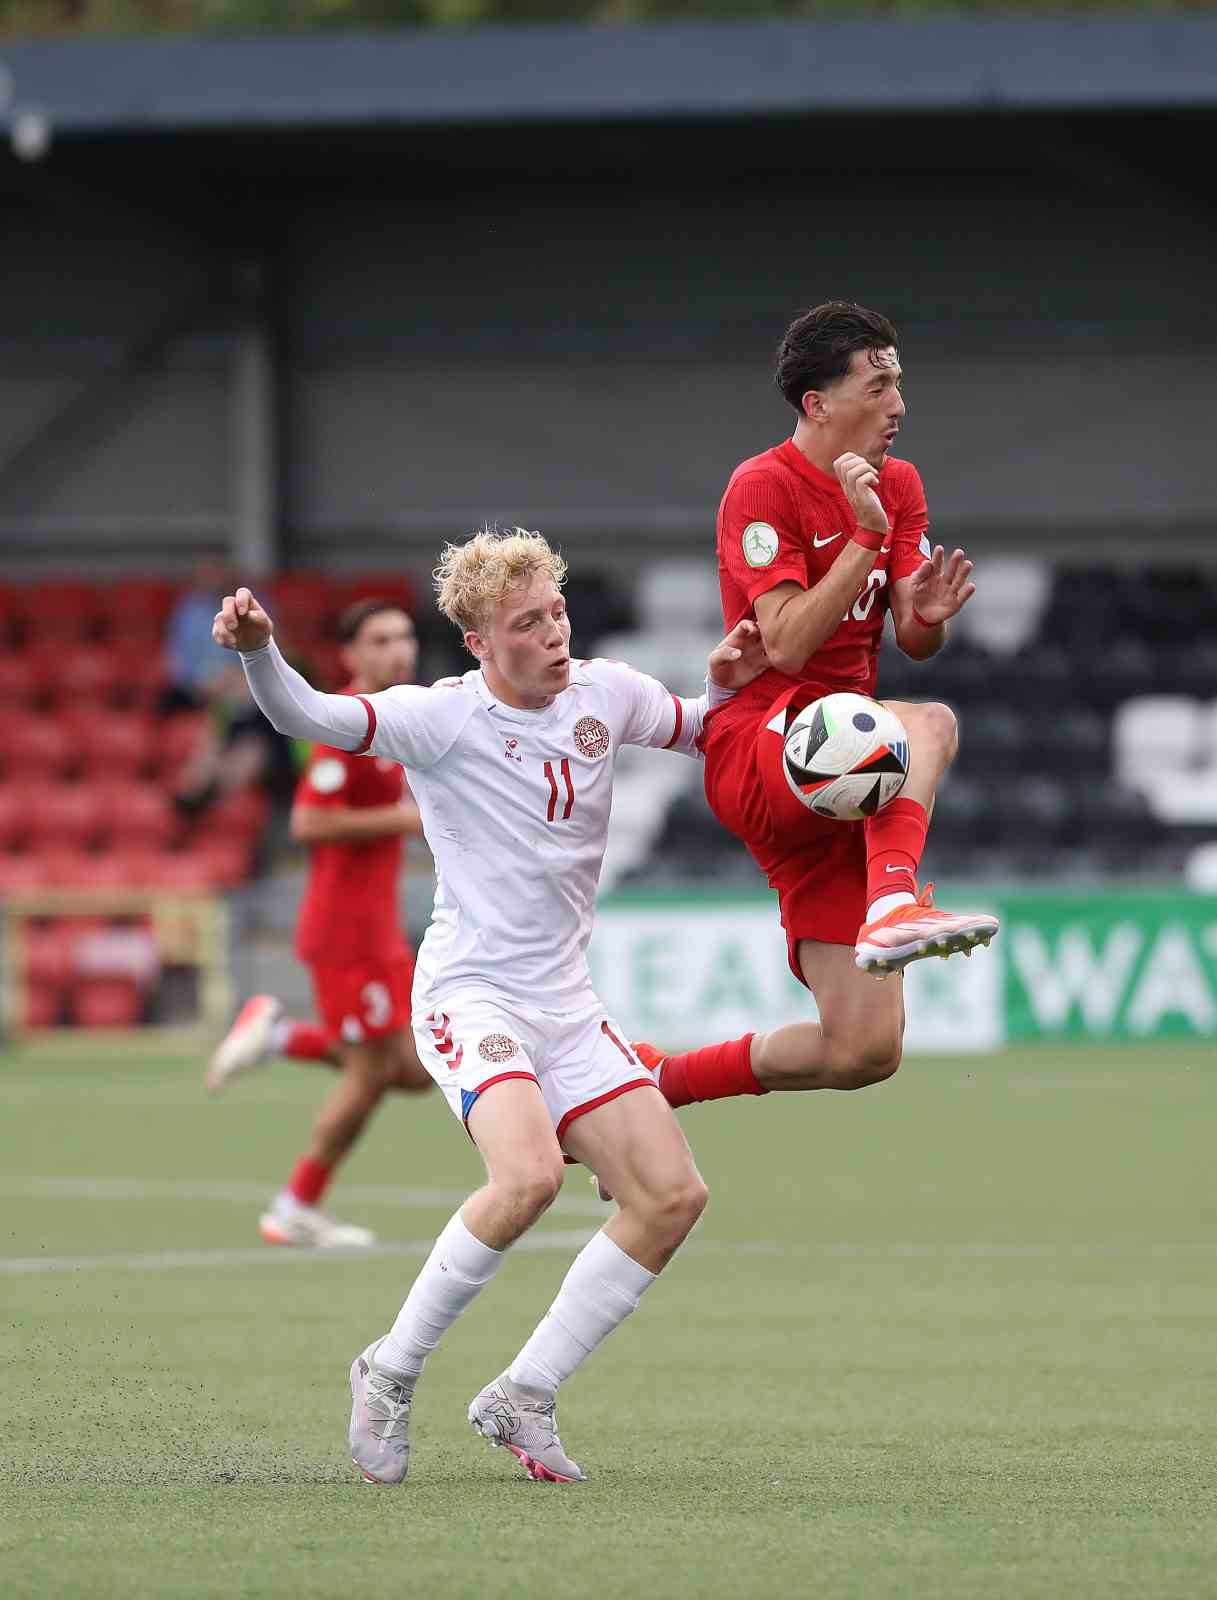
912 932
246 1044
313 1229
524 1420
379 1434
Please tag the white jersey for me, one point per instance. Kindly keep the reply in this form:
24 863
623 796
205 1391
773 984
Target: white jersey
515 807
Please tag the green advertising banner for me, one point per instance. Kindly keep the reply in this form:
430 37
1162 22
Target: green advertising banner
685 969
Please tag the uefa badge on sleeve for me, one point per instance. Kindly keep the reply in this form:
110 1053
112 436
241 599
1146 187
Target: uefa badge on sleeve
760 542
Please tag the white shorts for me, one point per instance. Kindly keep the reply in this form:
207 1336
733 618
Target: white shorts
580 1061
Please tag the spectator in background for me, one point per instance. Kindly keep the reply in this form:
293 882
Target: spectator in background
195 661
236 747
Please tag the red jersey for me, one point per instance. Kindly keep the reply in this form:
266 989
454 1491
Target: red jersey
783 520
349 911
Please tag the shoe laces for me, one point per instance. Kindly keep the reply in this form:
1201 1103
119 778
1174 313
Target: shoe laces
388 1402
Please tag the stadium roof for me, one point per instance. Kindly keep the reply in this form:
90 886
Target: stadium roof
579 74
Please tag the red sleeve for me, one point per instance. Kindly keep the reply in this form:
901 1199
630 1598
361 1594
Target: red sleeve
910 544
326 781
759 544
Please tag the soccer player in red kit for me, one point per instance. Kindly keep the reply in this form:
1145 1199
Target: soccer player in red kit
353 812
818 539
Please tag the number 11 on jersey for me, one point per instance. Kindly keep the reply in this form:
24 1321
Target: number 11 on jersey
564 773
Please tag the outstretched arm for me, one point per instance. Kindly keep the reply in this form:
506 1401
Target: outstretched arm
923 603
289 703
665 721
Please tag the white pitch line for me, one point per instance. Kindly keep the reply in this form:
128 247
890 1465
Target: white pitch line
259 1256
251 1191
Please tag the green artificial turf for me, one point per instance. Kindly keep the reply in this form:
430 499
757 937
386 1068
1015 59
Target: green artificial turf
955 1336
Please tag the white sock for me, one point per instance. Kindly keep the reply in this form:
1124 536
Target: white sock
458 1266
278 1036
601 1289
286 1204
888 902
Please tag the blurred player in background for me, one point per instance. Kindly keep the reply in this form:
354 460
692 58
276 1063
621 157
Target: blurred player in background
818 539
353 814
512 765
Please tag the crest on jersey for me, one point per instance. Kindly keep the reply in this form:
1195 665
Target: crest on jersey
592 738
497 1047
328 775
760 543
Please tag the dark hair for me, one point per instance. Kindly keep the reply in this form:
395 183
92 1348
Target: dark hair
817 346
353 618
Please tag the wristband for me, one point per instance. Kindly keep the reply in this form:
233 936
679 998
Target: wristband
921 622
869 539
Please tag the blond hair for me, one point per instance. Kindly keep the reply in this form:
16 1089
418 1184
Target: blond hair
473 577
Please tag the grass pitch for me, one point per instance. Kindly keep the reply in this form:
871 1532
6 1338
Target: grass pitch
954 1336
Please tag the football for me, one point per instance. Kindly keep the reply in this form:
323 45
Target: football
845 756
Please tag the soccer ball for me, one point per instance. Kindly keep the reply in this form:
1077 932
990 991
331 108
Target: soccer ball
845 756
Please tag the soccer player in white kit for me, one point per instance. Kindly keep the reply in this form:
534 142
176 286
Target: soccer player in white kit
511 766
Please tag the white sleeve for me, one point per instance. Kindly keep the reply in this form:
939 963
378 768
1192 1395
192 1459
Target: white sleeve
413 724
294 707
659 718
410 724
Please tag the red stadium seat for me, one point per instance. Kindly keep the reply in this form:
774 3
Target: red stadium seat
136 815
43 1007
68 815
176 872
87 673
74 869
139 607
106 1002
37 747
22 875
47 951
177 738
115 744
141 670
226 862
306 598
19 680
380 586
240 816
61 608
17 800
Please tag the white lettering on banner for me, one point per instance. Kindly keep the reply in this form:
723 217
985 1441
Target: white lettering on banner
693 975
1075 974
1172 983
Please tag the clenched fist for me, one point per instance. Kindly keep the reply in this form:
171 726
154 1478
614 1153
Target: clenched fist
860 481
241 623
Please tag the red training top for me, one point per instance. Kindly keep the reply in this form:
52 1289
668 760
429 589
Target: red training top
349 911
781 520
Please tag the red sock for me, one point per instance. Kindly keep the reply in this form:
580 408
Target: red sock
308 1181
895 838
306 1041
718 1072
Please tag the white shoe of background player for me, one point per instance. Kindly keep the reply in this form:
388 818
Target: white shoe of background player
246 1044
307 1226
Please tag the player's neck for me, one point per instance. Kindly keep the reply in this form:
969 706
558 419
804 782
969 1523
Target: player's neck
507 695
818 449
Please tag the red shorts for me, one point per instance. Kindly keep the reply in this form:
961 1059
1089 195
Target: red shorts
366 999
817 866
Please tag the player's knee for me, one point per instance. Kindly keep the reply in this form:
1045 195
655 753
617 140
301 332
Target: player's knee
528 1192
674 1212
936 729
861 1063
